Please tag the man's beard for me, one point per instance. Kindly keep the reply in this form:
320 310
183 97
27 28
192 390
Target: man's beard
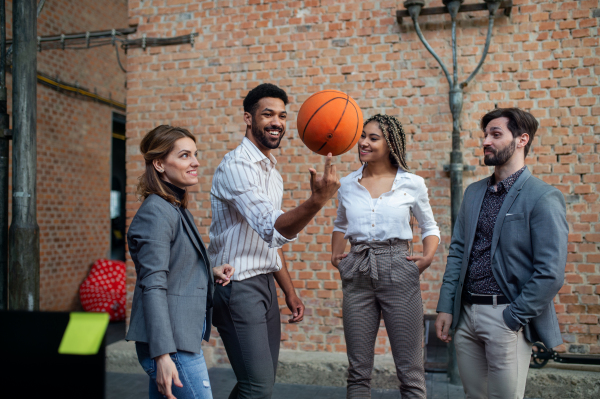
263 137
500 157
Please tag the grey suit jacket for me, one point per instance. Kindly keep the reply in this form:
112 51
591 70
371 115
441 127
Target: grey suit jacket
529 255
174 278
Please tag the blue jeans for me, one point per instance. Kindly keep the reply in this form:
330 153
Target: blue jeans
192 373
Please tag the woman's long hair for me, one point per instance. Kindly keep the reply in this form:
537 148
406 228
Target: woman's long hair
157 144
394 137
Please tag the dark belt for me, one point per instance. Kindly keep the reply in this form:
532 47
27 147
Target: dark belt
475 299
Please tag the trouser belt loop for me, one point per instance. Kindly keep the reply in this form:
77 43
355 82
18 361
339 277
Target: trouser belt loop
495 301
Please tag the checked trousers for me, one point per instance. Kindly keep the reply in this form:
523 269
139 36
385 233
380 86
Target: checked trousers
377 281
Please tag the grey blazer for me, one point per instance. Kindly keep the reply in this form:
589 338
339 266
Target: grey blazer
174 279
529 255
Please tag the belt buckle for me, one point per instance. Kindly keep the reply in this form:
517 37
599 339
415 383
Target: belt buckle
495 301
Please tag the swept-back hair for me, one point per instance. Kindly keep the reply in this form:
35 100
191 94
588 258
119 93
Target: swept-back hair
157 144
394 137
519 122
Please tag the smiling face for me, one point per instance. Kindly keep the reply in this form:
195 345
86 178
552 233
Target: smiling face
180 166
372 146
499 145
267 123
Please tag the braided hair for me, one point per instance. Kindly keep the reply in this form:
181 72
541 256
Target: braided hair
394 136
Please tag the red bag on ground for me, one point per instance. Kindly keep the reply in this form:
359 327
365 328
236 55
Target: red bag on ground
103 290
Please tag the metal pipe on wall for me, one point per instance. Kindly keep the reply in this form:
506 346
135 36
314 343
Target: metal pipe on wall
24 238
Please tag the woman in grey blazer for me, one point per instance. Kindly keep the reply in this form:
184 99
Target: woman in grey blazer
172 300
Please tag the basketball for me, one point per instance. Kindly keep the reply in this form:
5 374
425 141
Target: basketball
330 121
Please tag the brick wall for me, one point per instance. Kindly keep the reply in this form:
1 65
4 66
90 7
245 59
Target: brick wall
73 148
544 58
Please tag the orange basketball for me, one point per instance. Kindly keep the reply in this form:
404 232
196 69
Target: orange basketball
330 121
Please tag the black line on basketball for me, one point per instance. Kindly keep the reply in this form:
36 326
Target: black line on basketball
330 136
314 113
341 117
356 131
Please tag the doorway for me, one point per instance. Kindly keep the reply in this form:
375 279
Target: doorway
117 189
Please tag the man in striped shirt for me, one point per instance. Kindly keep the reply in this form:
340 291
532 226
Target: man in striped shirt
248 230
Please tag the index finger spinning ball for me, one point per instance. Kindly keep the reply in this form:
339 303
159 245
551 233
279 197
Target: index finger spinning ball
330 121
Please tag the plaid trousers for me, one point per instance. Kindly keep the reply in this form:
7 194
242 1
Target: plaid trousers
377 280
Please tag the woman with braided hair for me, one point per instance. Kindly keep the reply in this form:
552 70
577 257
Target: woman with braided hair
379 278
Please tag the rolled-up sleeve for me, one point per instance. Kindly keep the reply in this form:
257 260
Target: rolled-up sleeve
237 183
341 221
424 214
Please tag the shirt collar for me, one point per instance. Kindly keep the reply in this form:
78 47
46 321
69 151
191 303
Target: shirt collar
254 153
400 174
508 182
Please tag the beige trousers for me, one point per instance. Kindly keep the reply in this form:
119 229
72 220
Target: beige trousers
493 360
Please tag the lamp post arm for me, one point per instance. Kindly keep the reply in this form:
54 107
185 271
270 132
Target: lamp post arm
454 62
428 47
488 41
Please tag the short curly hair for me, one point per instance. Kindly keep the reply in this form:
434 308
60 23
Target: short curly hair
261 91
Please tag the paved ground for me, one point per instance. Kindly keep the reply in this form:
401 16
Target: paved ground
135 386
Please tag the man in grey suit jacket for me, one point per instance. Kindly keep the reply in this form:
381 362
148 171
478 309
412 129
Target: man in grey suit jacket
506 263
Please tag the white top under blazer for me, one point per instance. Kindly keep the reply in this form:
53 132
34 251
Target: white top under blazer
363 218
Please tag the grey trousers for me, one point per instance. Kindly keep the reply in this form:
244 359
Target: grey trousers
377 281
246 314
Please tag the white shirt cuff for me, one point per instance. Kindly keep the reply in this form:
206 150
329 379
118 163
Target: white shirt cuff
431 233
278 240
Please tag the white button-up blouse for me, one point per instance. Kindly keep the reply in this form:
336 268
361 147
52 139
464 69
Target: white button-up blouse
363 218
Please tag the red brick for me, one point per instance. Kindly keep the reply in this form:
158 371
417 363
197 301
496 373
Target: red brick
544 60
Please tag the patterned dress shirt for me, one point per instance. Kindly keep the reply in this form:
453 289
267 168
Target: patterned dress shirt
480 279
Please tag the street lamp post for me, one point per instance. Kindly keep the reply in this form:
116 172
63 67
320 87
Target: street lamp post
456 166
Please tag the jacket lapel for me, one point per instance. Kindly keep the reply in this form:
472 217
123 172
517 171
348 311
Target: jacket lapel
508 201
195 236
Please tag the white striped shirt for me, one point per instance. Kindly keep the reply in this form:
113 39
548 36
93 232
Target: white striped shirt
245 198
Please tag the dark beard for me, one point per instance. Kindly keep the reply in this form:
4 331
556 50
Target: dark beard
500 157
262 137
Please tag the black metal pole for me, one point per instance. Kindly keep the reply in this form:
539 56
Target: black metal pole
414 8
456 164
3 164
456 195
24 238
